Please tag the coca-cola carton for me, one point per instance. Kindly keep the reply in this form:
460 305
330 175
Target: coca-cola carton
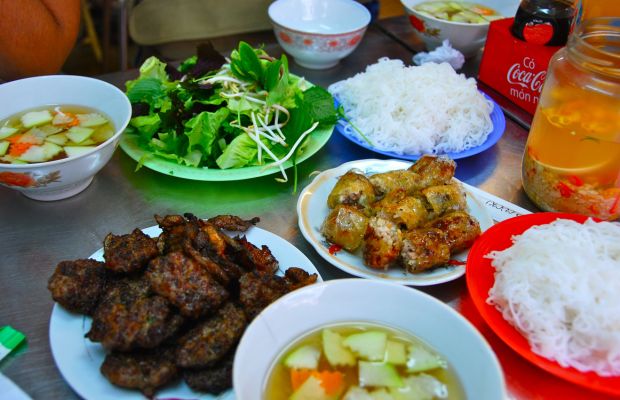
514 68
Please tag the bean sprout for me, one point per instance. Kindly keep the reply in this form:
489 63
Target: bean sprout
266 121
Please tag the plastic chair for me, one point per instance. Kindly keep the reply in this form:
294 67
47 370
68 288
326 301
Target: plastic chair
164 24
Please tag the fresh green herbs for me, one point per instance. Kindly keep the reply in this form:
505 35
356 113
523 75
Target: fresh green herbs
341 114
226 113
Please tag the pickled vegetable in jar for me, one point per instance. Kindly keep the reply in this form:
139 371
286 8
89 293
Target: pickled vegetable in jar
572 157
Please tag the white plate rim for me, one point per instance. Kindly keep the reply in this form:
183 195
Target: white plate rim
312 234
71 363
279 332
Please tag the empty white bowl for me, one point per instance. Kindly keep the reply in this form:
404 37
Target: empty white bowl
360 300
59 179
467 38
318 33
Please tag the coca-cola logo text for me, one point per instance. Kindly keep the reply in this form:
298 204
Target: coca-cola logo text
525 76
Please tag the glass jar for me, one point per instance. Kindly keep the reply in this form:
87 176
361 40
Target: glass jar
587 9
572 157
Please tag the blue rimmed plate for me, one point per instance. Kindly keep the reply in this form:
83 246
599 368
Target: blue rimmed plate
497 118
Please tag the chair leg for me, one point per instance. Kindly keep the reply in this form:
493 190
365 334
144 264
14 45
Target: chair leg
91 33
107 17
123 38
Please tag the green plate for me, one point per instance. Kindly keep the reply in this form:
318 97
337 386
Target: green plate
129 144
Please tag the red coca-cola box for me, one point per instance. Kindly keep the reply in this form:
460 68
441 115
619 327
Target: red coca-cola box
514 68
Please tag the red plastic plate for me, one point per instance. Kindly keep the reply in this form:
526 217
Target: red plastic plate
480 278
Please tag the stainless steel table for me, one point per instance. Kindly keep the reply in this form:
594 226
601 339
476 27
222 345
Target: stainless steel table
35 236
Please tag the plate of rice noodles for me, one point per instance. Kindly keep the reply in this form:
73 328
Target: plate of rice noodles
407 111
547 284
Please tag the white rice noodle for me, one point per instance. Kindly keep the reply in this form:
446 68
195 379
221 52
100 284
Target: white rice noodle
415 110
559 284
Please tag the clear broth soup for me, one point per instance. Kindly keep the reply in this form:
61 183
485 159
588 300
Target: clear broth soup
458 11
52 133
282 379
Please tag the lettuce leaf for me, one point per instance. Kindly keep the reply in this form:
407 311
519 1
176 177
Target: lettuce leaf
152 86
202 130
239 153
145 126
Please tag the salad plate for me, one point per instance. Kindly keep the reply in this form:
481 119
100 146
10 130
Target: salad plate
79 359
225 119
129 144
312 210
497 118
481 278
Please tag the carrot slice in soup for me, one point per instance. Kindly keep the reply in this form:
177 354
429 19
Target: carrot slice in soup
19 148
299 376
331 381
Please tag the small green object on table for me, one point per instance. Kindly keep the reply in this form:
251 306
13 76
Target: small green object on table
10 339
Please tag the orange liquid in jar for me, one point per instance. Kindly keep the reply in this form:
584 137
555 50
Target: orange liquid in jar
572 159
600 8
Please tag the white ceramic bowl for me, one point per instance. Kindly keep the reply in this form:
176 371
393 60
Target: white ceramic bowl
360 300
318 33
55 180
467 38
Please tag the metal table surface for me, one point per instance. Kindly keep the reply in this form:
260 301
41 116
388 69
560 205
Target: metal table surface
35 236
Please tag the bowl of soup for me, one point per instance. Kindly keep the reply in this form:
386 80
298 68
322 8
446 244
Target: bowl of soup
464 23
57 132
363 339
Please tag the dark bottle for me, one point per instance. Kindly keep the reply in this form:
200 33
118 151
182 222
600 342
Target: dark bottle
373 7
544 22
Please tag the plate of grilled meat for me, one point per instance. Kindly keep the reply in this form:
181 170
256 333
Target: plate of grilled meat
406 223
160 311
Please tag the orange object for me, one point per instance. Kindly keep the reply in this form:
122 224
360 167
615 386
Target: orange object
74 120
331 381
575 133
598 8
299 376
14 138
18 148
483 10
16 179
